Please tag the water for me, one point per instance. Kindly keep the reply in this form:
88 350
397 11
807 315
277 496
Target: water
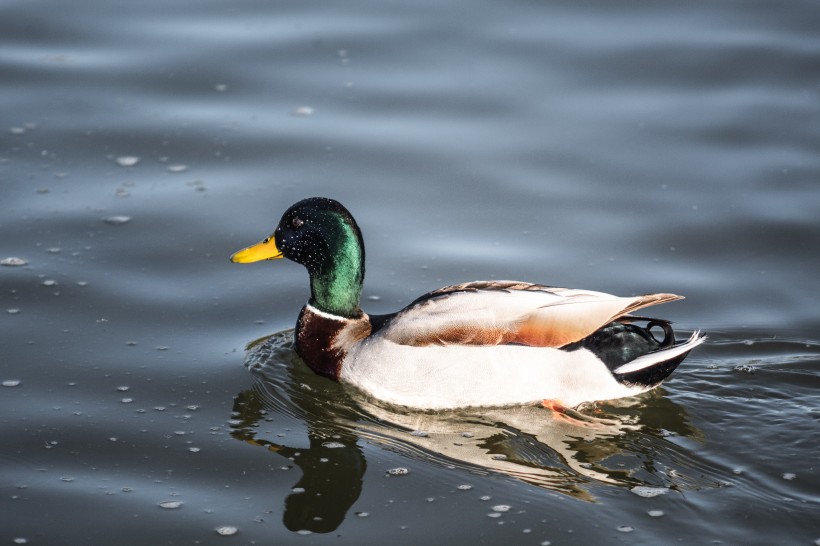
625 148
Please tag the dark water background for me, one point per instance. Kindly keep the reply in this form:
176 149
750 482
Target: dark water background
626 147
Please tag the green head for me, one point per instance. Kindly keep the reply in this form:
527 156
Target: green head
320 234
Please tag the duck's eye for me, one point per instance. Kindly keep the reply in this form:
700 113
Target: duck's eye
297 222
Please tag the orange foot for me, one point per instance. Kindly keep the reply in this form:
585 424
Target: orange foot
554 405
569 415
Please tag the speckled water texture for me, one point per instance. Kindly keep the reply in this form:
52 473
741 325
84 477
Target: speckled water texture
627 148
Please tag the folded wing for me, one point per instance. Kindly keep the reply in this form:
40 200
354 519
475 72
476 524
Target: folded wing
507 312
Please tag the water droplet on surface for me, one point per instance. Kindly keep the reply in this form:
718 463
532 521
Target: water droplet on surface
11 383
117 220
13 261
170 505
127 160
648 491
400 471
625 528
226 530
655 513
302 111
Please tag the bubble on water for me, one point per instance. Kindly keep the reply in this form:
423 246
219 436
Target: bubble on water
13 261
362 514
66 479
221 87
297 489
333 445
464 487
648 491
501 508
485 498
192 407
127 160
399 471
127 400
789 476
494 515
655 513
12 311
194 449
117 220
177 168
625 528
82 283
11 383
302 111
123 388
419 433
21 540
745 368
54 250
162 348
131 343
49 282
226 530
171 504
374 298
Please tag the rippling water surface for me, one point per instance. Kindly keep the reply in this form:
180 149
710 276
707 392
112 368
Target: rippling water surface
625 148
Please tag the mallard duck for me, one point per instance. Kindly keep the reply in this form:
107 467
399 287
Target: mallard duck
477 344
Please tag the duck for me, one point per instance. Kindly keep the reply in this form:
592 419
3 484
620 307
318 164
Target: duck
478 344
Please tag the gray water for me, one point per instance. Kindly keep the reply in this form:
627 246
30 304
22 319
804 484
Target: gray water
629 148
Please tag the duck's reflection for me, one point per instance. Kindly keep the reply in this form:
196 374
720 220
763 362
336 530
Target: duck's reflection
558 449
332 469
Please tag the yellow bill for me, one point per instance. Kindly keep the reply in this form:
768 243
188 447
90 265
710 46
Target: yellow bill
265 250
